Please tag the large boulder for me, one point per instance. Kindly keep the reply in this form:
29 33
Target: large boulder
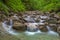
53 27
43 28
18 26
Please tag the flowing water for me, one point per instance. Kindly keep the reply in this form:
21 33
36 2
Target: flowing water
8 28
50 31
32 28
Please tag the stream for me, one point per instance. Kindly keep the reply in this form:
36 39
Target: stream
32 28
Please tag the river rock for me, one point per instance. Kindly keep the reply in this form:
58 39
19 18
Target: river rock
52 14
28 12
43 28
19 26
58 22
56 16
53 27
37 20
52 20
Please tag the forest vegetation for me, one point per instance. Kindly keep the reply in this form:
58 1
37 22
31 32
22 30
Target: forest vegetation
31 5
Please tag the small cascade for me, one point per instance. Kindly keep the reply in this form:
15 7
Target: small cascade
43 17
41 21
32 33
8 28
29 19
32 25
50 31
32 29
15 15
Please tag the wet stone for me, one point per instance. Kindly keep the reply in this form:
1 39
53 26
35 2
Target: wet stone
58 22
52 21
43 28
19 26
53 27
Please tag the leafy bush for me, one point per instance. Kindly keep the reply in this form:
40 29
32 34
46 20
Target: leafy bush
37 4
15 5
22 5
53 5
44 5
3 7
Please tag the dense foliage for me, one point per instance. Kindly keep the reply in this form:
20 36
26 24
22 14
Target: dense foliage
53 5
23 5
15 5
3 7
44 5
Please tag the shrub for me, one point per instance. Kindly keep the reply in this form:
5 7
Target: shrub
37 4
15 5
4 8
53 5
44 5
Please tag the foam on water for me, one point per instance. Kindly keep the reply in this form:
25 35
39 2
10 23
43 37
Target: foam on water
28 18
32 33
44 17
42 21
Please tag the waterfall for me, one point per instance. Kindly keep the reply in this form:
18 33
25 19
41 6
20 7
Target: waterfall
8 28
32 26
32 29
43 17
29 19
50 31
32 33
